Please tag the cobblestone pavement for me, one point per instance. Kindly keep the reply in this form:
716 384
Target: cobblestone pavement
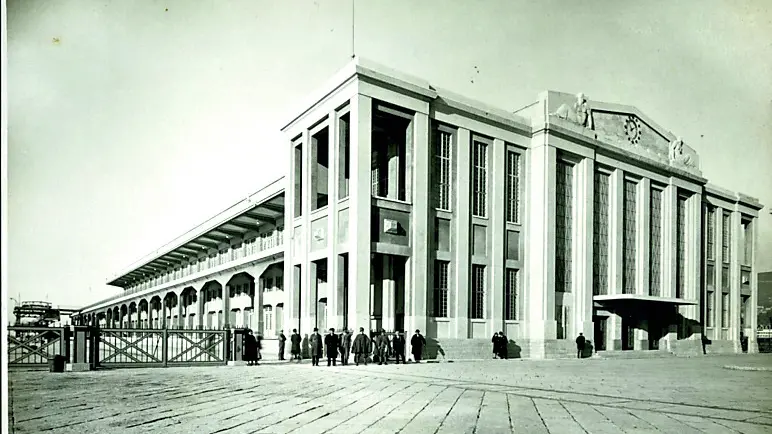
678 395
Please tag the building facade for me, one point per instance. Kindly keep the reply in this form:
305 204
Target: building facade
409 207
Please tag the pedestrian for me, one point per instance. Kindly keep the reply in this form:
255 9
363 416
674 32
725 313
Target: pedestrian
503 345
361 347
417 344
398 345
250 348
316 347
384 348
331 347
295 342
345 346
580 341
259 347
282 340
496 345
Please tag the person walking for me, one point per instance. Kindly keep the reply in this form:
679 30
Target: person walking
316 347
398 345
580 341
361 347
417 344
295 342
282 340
345 347
384 347
331 345
259 347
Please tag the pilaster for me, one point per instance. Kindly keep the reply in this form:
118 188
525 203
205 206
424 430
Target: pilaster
643 231
498 183
669 256
360 205
693 265
583 248
334 277
541 172
462 213
616 245
753 320
735 226
307 273
418 264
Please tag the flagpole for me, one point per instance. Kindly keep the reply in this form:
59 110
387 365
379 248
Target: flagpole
353 30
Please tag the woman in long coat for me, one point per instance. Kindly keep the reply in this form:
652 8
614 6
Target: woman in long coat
250 348
295 345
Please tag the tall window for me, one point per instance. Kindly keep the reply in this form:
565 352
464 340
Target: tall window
344 156
726 239
629 237
600 235
298 205
513 187
680 247
747 244
510 295
442 150
441 289
710 309
655 243
725 310
710 237
478 292
563 225
479 178
267 318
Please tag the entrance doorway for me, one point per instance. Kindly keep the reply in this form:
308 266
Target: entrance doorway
628 334
600 323
388 292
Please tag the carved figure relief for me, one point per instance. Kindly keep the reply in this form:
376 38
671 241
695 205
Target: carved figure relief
677 155
578 113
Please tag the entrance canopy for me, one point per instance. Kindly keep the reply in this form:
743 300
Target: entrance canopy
642 299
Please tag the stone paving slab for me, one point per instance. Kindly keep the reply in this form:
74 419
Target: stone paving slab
678 395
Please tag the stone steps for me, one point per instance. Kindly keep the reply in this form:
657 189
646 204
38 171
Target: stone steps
646 354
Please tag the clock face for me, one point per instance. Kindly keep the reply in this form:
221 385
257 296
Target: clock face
633 129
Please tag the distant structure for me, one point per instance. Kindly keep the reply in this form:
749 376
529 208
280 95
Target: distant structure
40 314
407 207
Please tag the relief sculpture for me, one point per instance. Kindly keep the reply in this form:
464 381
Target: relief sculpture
677 155
578 113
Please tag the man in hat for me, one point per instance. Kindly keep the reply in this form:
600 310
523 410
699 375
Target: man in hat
361 347
282 340
295 342
331 347
316 347
345 346
398 345
417 342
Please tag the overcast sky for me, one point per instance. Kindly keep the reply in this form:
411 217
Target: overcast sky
131 122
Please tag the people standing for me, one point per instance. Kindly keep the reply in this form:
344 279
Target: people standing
282 340
295 342
384 347
496 345
361 347
398 345
503 345
250 348
331 347
580 341
417 343
316 347
345 347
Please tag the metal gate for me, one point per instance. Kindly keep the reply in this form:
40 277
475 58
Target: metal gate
33 346
149 347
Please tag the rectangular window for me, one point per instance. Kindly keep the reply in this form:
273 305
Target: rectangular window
268 318
513 187
725 278
726 239
655 243
710 276
320 148
600 235
747 244
442 234
725 310
442 164
479 178
298 203
710 309
510 295
441 289
344 156
710 236
563 225
478 292
629 237
681 247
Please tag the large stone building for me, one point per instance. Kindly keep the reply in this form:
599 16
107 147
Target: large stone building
409 207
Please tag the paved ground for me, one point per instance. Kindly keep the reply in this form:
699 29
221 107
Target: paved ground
678 395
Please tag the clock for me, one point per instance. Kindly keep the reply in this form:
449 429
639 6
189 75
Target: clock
633 129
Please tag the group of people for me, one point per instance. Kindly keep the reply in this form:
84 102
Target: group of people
500 343
333 346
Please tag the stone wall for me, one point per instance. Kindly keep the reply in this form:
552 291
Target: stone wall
686 347
720 347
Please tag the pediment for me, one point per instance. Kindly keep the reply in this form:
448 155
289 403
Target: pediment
624 127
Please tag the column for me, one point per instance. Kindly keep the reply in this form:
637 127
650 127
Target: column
388 289
462 213
498 182
334 276
753 346
643 232
540 299
669 259
180 318
583 248
693 266
308 298
417 266
291 312
735 226
226 306
616 262
360 205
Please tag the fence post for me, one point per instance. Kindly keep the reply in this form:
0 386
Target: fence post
77 351
96 335
165 347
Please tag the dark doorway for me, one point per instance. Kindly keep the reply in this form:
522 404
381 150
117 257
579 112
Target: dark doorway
628 334
599 338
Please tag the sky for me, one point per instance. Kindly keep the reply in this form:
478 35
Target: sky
130 122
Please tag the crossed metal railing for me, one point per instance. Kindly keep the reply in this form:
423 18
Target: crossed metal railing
33 347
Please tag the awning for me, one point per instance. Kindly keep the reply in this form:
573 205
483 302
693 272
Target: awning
621 298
